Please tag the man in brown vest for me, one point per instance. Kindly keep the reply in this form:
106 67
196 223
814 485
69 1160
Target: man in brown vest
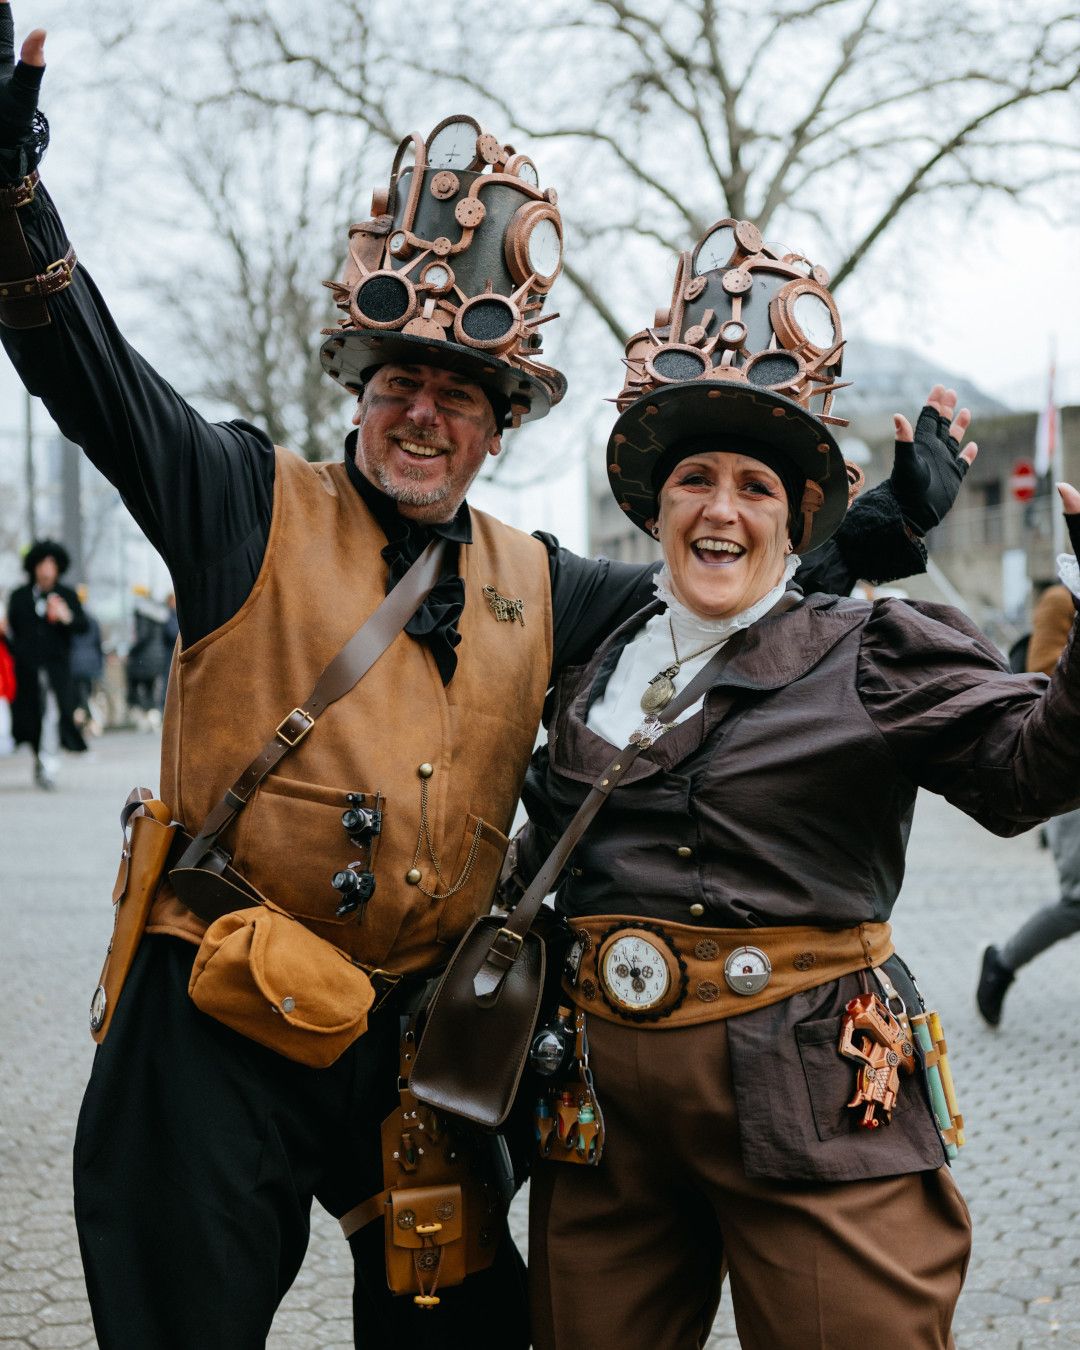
198 1151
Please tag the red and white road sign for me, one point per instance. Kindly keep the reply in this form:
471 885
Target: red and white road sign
1022 480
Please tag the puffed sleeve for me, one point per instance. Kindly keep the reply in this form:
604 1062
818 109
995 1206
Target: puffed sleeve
1003 748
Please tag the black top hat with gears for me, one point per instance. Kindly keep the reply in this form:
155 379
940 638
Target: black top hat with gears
747 357
453 270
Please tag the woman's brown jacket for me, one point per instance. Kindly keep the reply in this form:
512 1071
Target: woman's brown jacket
788 800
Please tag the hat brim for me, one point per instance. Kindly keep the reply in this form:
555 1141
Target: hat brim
732 410
347 357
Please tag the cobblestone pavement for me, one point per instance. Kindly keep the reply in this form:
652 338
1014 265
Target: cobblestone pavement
1019 1088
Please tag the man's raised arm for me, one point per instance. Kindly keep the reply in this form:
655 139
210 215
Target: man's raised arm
197 490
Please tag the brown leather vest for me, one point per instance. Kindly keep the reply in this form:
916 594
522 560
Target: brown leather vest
321 577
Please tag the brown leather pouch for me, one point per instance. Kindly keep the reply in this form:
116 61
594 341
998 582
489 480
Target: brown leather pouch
148 835
424 1247
262 973
441 1209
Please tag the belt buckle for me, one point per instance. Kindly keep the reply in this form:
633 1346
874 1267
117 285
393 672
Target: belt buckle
285 733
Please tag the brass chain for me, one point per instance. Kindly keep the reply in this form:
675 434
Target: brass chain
425 838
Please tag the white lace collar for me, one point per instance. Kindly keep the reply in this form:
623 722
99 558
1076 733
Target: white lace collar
687 623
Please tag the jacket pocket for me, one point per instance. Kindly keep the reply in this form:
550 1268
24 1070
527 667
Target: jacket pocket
475 872
830 1078
290 842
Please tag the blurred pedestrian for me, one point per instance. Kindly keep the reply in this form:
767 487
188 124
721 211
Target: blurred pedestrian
145 665
43 616
87 668
1050 627
169 634
7 693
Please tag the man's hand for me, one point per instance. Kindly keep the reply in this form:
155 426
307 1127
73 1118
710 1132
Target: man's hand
928 464
19 84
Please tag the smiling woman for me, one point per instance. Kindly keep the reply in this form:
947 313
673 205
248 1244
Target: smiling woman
724 528
730 952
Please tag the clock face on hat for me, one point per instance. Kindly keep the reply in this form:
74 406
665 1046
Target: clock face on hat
545 248
453 146
715 250
812 315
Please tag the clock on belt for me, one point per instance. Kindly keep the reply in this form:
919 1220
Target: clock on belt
643 977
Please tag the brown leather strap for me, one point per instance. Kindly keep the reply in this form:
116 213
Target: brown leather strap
24 290
367 1212
351 664
508 941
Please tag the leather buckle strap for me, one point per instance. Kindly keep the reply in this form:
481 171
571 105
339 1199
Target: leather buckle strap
286 729
500 956
19 194
29 292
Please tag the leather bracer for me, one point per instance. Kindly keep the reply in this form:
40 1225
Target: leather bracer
23 290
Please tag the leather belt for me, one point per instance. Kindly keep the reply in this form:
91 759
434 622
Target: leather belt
658 975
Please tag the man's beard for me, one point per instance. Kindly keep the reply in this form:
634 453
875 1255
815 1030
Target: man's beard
411 494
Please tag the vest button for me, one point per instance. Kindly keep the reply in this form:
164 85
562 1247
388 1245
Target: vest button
425 770
684 852
697 911
413 875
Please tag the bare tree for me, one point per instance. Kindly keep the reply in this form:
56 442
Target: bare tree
824 121
826 118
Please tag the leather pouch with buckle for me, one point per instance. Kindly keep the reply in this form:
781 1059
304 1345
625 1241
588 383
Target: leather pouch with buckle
424 1247
148 835
473 1051
441 1206
260 972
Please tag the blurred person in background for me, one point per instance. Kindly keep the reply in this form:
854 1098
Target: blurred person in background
169 633
147 661
42 618
87 668
1050 627
7 691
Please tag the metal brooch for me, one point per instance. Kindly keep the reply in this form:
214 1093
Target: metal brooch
505 609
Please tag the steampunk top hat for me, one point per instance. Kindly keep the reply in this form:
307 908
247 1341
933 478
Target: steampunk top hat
453 270
746 358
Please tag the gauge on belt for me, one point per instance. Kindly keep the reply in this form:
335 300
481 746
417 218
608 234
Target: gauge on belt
640 972
747 970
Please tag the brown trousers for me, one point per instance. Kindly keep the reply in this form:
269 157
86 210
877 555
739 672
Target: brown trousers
632 1254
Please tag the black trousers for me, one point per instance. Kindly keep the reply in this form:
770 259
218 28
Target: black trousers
197 1156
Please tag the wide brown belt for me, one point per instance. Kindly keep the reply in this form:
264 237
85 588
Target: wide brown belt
708 973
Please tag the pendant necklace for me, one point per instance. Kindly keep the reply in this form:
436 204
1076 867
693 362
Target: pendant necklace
661 688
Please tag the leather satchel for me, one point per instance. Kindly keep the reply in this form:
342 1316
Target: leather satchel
481 1022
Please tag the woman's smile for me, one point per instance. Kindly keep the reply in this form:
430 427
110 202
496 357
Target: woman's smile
724 521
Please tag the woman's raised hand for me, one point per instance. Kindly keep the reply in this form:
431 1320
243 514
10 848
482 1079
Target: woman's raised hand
19 84
928 463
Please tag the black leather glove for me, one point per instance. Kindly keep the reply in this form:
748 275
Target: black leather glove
24 132
1072 523
927 472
